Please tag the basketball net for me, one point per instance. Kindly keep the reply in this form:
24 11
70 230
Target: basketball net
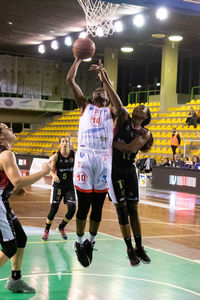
99 17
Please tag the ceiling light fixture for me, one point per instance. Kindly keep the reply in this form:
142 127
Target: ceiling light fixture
83 34
158 35
175 38
99 31
138 20
118 26
54 45
68 41
10 23
127 49
87 59
41 49
162 13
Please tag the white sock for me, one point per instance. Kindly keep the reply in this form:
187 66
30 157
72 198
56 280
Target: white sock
80 239
91 238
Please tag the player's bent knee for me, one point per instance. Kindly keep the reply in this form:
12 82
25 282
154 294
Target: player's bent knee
9 248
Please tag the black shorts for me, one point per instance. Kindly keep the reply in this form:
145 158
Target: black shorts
124 184
58 193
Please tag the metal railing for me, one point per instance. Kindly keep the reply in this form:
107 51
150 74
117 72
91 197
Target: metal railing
138 93
192 91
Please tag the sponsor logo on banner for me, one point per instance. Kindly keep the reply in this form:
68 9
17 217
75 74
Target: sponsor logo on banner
182 181
21 103
8 102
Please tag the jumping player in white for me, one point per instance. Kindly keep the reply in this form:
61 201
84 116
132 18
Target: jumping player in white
92 170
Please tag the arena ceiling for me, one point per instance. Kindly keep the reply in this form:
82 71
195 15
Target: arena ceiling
27 23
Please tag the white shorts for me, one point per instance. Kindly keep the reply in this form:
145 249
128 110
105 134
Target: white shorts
5 226
92 170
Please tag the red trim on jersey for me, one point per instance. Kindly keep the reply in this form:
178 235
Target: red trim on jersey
84 191
100 191
3 179
81 114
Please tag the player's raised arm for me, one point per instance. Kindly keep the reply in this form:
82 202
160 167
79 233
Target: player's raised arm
75 89
108 87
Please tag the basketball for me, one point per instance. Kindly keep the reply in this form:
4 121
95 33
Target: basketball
83 48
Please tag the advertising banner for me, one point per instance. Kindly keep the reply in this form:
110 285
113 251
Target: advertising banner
19 103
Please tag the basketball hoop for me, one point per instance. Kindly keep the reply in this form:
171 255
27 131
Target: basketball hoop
99 17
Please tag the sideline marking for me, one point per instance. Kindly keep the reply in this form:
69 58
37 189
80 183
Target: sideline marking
116 238
114 276
158 250
115 220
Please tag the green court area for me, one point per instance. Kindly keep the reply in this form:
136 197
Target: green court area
52 268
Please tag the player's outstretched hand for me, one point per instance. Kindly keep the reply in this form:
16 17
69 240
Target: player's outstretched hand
46 167
100 70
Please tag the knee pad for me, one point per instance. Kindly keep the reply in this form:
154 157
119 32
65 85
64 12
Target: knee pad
53 211
71 211
122 212
9 248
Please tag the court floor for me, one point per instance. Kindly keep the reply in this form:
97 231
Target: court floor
171 235
52 268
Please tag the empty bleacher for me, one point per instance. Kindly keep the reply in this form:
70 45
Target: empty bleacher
45 140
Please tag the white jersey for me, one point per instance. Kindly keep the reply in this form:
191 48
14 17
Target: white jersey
95 128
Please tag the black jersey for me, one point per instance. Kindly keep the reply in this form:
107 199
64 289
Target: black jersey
5 185
125 134
64 168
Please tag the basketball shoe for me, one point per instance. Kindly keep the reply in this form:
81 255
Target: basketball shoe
62 233
45 235
19 286
134 259
89 247
81 254
141 253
